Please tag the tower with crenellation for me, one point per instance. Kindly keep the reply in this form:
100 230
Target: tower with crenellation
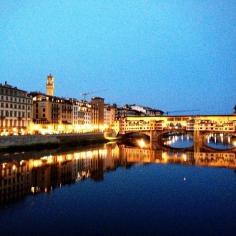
50 85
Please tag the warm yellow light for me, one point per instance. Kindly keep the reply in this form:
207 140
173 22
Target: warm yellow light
14 167
102 152
32 189
77 156
15 131
89 154
141 143
69 157
184 157
50 160
4 133
37 163
59 158
60 127
164 156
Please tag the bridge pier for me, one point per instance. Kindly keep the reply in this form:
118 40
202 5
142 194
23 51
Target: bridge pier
154 139
197 140
154 136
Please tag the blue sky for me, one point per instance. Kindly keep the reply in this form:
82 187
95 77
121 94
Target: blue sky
169 54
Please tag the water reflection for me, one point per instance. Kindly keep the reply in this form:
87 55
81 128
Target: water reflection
216 141
19 178
179 141
220 141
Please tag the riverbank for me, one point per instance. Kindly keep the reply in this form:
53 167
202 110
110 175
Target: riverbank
33 142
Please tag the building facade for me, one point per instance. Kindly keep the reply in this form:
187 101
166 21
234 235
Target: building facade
136 110
51 110
109 114
98 110
15 110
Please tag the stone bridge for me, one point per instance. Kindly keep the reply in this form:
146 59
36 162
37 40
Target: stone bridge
199 126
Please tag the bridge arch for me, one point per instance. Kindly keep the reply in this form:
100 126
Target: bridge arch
206 147
169 133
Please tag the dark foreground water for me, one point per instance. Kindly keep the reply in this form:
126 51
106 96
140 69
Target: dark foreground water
118 190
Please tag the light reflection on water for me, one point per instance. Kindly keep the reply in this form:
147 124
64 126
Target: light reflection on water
216 141
220 141
179 141
31 178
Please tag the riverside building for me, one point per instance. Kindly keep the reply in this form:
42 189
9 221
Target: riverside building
98 110
51 109
45 113
15 110
109 114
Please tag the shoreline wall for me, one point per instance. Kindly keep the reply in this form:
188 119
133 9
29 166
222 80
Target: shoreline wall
34 140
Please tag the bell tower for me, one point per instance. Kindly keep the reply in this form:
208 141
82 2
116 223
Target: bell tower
50 85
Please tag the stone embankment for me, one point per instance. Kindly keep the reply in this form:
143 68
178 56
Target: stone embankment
26 141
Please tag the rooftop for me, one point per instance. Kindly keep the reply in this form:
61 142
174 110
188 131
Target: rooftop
6 85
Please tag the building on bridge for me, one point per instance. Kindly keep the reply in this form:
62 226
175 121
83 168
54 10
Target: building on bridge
223 123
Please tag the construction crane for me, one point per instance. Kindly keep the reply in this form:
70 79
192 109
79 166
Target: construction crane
168 112
85 94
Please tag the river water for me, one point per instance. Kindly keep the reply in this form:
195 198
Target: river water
116 189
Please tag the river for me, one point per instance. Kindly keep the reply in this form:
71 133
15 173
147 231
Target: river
114 189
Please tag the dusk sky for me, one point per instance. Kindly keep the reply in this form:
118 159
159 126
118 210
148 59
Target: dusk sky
167 54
